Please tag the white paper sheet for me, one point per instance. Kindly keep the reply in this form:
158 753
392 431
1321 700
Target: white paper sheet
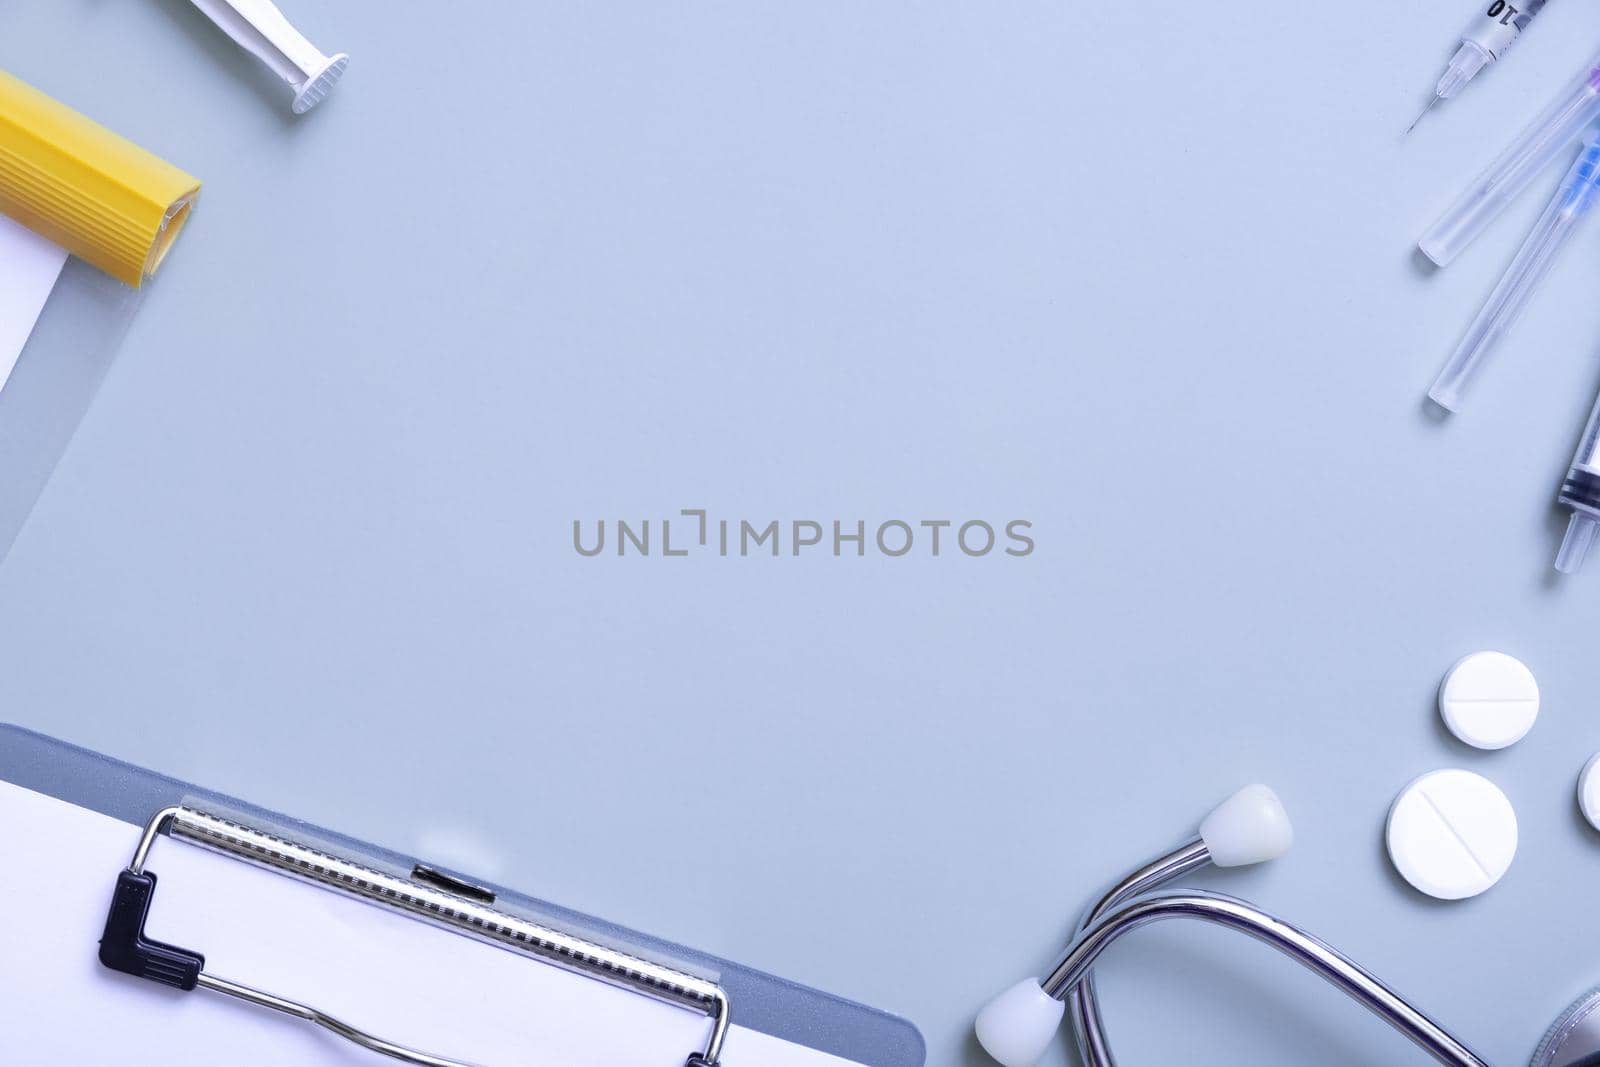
382 971
29 266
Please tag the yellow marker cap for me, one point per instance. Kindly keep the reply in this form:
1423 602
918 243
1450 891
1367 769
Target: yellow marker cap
99 196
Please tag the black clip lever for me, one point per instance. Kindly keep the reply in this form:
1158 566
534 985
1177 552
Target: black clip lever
123 946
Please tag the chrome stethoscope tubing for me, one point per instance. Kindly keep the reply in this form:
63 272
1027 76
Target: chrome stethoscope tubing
1088 1027
1308 951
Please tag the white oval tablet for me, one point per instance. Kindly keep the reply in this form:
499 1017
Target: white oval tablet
1452 834
1489 700
1589 791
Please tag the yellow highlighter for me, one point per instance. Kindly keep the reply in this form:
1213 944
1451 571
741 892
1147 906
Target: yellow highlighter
98 195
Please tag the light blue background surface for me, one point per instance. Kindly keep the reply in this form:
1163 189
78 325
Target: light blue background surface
1140 276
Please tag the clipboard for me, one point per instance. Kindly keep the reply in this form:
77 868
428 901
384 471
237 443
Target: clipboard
162 816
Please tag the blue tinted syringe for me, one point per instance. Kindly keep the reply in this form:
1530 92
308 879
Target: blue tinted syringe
1577 194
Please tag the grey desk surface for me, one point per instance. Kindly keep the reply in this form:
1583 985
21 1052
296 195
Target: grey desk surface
1142 278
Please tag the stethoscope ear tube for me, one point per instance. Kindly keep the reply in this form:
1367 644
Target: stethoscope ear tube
1017 1026
1310 952
1013 1026
1251 826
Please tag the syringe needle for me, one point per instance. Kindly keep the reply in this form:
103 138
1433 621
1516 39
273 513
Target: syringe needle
1431 102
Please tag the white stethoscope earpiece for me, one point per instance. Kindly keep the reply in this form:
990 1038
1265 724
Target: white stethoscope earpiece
1018 1025
1249 827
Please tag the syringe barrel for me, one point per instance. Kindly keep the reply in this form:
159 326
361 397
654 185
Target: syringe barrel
1497 27
1582 487
1581 492
1544 139
1575 197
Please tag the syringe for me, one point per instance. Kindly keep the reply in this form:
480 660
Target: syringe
1486 39
1575 196
1581 493
1557 126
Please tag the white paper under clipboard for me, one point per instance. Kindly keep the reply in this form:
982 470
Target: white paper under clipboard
61 324
380 969
29 267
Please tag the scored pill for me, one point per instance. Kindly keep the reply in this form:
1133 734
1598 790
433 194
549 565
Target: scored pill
1489 700
1589 791
1452 834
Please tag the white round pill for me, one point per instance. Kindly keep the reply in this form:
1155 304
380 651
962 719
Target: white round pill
1452 834
1589 791
1489 700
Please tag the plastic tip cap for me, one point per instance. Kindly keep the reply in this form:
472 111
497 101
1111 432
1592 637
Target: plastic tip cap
1018 1025
1446 396
1464 66
315 89
1249 827
1575 545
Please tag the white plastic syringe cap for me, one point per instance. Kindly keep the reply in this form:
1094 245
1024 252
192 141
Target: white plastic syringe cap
1581 529
1464 66
1249 827
1017 1026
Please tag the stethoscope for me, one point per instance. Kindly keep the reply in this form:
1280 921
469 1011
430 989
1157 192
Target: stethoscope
1249 827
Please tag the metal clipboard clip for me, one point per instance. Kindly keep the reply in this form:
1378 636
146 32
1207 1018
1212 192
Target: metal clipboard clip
439 899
